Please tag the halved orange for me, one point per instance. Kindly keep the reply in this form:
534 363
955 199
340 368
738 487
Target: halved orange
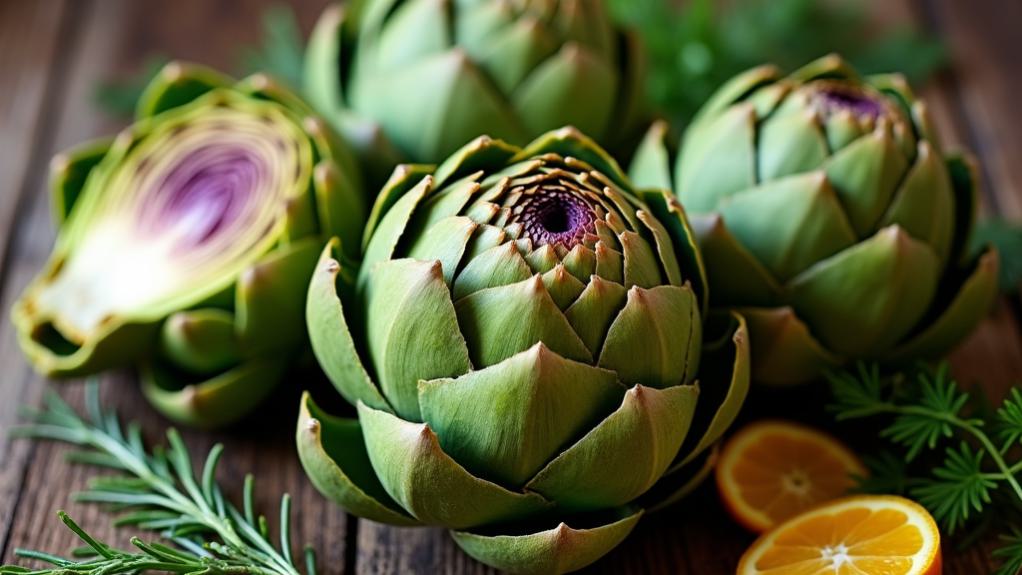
858 535
772 470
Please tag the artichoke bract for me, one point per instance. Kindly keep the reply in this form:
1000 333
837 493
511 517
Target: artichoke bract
526 347
829 216
186 243
416 79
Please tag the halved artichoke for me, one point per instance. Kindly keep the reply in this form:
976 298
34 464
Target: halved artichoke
526 347
187 242
416 79
830 218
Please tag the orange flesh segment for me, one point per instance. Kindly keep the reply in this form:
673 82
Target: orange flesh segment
863 535
780 469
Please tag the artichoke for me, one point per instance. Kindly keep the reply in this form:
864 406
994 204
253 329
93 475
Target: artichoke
829 216
416 79
522 342
186 244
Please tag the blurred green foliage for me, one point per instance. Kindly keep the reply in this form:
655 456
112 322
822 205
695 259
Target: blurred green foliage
282 49
695 46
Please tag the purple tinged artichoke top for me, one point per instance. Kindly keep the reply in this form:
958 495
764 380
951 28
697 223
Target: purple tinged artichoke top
829 215
186 243
429 75
527 346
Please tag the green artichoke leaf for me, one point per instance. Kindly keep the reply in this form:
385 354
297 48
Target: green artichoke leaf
415 29
563 287
671 215
201 341
651 165
609 263
640 265
734 90
842 129
789 224
785 352
735 274
333 453
340 213
422 478
790 143
330 335
511 54
971 301
497 266
720 162
863 300
446 242
574 87
560 549
506 421
177 84
272 292
623 456
596 307
384 240
580 262
924 203
655 339
570 142
543 259
724 384
865 175
500 322
831 66
477 155
678 483
404 178
321 77
459 104
208 402
68 171
964 172
412 330
486 238
480 22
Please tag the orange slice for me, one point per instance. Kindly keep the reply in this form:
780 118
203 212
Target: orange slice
772 470
858 535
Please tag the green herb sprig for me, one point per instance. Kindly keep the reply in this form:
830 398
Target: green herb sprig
159 492
926 410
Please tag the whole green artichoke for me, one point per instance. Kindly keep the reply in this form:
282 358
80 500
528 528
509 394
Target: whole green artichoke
523 343
829 217
187 242
416 79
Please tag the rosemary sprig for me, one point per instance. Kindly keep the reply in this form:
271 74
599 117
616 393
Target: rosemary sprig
161 493
925 410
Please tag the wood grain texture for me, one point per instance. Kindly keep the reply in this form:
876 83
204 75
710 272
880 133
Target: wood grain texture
54 52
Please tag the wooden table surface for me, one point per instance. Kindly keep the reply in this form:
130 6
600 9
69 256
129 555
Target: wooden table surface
53 53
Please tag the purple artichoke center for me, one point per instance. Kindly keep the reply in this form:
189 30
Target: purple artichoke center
206 193
556 217
860 103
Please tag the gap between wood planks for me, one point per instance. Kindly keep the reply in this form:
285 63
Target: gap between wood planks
52 95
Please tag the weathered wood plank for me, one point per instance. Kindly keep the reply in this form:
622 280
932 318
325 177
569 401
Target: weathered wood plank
29 39
983 36
29 81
